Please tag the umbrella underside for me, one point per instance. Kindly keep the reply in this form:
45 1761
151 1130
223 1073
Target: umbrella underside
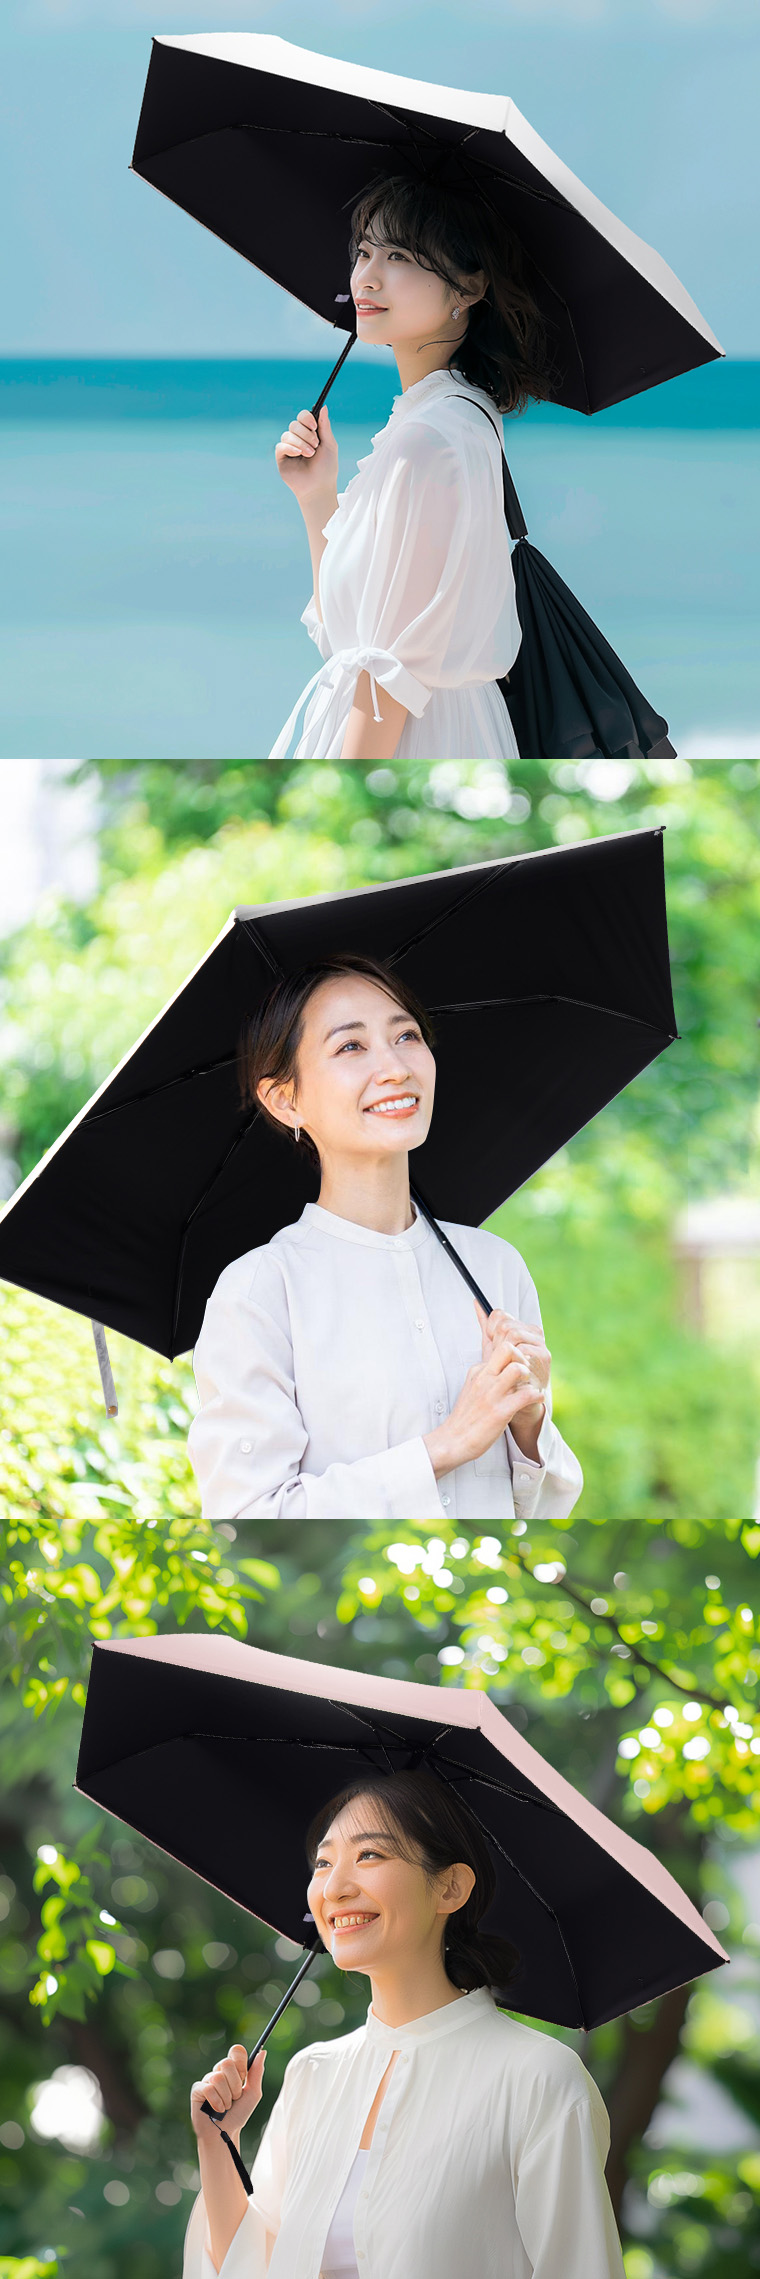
211 1790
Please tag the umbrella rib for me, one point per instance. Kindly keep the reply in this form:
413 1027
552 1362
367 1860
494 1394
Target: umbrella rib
453 909
531 1887
197 1206
153 1091
489 1780
260 943
550 997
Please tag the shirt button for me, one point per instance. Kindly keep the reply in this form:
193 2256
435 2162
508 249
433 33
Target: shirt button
246 1447
446 1501
419 1324
440 1407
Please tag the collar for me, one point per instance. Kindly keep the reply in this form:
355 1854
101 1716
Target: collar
449 2019
344 1230
434 384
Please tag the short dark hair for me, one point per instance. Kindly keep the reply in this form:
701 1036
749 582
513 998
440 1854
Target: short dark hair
456 232
271 1036
432 1825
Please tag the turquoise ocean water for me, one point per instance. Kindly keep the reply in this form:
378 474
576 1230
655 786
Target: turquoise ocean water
153 568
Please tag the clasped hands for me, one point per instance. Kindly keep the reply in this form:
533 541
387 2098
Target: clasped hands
508 1386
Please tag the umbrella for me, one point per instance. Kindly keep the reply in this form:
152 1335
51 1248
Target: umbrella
252 135
163 1178
202 1742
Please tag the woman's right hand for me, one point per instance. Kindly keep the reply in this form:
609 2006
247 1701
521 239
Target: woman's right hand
233 2091
494 1391
307 458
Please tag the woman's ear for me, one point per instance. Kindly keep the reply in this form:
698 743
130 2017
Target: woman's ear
277 1098
458 1883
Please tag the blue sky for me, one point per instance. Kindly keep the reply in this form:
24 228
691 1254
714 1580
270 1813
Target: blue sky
653 102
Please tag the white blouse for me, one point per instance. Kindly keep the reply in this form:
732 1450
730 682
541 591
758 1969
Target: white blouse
487 2155
416 584
327 1354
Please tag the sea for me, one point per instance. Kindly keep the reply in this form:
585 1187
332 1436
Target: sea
153 568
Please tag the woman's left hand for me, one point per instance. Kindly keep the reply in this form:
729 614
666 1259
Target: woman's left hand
526 1340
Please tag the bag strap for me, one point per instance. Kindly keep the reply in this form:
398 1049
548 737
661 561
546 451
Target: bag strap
515 519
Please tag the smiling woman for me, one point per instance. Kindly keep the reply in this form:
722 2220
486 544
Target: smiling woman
413 610
442 2134
343 1369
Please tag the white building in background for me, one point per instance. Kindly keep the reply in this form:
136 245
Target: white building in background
47 837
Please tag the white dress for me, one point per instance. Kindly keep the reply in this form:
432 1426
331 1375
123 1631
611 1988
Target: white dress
416 584
487 2156
326 1355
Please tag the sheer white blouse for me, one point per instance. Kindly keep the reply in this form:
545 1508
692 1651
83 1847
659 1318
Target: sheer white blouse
327 1354
487 2156
416 584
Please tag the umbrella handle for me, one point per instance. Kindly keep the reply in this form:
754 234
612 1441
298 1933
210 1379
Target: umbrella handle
106 1373
449 1248
317 407
209 2109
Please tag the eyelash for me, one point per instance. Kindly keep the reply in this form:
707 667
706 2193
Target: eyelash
351 1041
394 254
367 1853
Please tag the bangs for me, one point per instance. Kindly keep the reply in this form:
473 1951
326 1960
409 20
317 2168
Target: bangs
407 215
385 1818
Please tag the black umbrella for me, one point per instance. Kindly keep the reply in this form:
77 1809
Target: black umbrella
256 138
207 1746
162 1178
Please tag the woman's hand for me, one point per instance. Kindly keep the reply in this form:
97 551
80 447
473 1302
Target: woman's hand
495 1392
527 1339
307 459
234 2093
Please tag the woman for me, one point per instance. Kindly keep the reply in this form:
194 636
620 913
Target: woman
343 1369
442 2136
413 607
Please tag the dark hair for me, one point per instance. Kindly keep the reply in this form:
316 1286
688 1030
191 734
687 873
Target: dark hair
455 233
433 1826
268 1046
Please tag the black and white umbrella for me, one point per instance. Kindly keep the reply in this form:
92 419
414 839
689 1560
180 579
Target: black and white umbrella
270 145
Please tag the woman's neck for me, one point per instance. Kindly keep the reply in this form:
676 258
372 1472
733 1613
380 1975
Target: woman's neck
374 1194
417 361
398 1997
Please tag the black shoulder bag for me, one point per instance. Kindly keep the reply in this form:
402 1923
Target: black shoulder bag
567 694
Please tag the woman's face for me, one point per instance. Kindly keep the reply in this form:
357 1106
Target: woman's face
366 1078
372 1907
398 301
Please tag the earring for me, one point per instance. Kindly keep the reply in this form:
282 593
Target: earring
296 1131
455 312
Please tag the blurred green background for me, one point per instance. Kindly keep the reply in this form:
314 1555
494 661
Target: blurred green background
628 1653
654 1328
635 1669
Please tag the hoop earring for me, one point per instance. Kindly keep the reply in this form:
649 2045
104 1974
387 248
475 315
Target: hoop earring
296 1131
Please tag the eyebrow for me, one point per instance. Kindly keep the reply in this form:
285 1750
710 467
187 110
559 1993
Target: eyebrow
362 1837
401 1015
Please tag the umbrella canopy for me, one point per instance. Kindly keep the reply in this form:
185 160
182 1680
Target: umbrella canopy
256 137
162 1178
206 1745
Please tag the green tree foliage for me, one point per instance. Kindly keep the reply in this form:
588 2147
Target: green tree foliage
661 1423
615 1648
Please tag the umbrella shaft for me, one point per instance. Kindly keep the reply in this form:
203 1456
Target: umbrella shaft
451 1252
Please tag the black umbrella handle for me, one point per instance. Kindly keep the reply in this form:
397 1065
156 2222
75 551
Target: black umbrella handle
449 1247
317 407
209 2109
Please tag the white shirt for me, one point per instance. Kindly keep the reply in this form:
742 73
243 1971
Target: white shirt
487 2156
416 584
339 2252
327 1354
